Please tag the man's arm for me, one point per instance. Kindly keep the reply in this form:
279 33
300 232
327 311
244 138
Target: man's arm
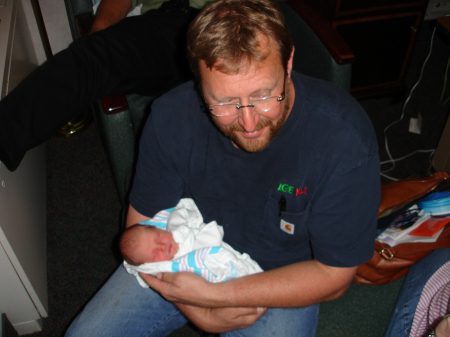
110 12
220 307
238 303
297 285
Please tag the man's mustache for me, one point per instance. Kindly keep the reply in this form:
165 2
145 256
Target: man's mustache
238 127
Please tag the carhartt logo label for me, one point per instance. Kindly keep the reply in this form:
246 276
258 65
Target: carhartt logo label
287 227
291 190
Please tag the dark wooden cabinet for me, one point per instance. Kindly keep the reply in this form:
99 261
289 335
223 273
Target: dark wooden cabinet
381 33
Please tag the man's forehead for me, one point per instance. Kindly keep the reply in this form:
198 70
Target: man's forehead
256 76
267 47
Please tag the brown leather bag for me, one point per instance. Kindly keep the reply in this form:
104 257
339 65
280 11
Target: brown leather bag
390 263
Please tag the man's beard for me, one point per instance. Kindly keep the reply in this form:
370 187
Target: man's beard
256 145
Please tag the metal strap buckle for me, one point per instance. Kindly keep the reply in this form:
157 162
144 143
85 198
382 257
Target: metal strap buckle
386 253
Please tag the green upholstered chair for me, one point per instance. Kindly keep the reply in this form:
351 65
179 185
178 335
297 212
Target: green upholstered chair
320 51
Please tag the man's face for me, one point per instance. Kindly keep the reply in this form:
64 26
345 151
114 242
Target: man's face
156 245
249 130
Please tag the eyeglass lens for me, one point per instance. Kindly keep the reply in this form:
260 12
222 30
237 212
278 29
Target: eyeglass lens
258 106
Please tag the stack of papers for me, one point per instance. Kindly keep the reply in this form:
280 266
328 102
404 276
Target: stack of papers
426 228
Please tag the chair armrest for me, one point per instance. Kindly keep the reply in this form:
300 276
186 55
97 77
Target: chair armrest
113 103
337 47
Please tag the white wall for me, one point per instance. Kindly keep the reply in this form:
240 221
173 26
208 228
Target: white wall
56 23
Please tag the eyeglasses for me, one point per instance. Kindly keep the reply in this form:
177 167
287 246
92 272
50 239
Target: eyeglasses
258 105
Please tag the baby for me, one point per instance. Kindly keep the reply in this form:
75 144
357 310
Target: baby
176 240
141 244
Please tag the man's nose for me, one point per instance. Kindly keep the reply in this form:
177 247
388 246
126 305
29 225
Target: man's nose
248 119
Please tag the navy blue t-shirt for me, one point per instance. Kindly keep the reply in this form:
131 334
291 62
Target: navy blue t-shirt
324 162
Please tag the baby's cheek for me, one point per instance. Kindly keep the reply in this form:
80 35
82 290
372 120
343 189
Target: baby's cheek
150 257
176 249
162 257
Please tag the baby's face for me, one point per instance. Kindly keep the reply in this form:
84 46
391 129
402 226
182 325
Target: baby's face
157 245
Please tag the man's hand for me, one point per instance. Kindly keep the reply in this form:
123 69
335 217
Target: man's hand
218 320
192 295
183 287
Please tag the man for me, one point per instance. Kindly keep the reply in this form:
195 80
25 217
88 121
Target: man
110 12
288 165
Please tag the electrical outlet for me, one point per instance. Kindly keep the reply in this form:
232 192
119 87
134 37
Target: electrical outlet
415 124
441 7
437 9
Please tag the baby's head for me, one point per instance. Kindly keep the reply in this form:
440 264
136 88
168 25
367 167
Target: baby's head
142 244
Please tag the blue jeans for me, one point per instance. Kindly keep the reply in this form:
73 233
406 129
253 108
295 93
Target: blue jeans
418 275
123 308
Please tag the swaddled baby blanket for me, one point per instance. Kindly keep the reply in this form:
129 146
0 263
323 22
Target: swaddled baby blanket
201 249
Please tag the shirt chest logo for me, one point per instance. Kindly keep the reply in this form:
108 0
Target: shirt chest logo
287 227
291 190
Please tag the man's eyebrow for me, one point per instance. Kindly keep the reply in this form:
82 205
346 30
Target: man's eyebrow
260 91
255 93
220 99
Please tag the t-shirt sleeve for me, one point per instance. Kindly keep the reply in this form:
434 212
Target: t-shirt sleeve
343 219
157 183
165 151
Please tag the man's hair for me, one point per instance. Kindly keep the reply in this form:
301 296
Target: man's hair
129 241
228 32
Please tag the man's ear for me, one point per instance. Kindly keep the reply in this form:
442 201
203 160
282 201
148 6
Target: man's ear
290 62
